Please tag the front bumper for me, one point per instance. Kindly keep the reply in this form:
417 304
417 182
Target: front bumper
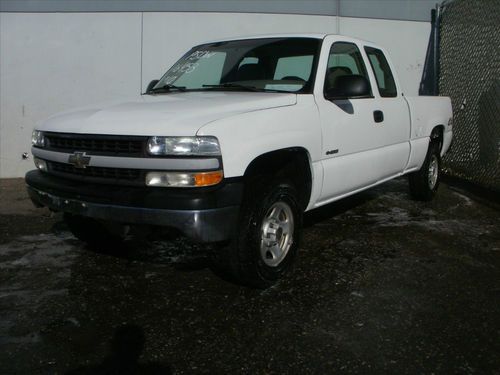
205 215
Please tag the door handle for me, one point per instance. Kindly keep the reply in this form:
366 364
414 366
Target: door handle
378 116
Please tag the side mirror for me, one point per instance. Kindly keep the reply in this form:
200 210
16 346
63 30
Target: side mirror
152 84
349 86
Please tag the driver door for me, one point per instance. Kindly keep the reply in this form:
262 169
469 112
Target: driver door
349 130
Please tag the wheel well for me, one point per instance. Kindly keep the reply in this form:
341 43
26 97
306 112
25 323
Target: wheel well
437 135
292 163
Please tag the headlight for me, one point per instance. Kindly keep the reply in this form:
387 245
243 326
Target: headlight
183 146
37 138
181 179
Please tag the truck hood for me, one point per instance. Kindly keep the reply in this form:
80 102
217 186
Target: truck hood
172 114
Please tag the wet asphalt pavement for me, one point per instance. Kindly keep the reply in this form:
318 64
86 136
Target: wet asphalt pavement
382 285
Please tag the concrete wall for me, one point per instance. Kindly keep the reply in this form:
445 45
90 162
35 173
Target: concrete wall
51 62
409 10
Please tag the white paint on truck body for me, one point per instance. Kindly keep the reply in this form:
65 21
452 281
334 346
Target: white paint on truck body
175 114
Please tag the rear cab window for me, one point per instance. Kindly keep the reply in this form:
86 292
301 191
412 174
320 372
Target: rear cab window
294 68
383 74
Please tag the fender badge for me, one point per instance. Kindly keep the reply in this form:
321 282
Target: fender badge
79 160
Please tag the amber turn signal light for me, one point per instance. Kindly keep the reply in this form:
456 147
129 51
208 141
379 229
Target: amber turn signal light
208 178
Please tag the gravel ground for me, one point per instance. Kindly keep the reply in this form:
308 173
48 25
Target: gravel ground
382 285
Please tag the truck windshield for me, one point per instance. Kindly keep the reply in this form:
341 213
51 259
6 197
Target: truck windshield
268 65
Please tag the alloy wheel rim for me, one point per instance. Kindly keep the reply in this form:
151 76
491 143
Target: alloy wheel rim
276 234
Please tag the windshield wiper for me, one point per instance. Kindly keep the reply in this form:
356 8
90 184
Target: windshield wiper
233 86
243 87
166 88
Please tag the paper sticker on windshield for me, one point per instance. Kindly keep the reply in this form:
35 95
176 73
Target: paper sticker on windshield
187 66
178 70
196 55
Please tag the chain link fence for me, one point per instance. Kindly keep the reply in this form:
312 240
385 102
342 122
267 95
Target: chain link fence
470 75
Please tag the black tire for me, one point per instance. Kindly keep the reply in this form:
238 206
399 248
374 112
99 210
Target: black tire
243 259
423 183
93 232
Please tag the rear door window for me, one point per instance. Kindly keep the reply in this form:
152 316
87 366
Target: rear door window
383 75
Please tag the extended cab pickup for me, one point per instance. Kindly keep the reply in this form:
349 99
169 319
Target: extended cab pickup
236 141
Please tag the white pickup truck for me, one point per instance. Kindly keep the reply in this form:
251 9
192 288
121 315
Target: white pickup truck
236 141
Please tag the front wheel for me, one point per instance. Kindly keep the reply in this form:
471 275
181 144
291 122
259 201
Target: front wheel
268 236
425 182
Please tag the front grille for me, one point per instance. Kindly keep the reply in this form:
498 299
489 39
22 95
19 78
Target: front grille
124 174
96 144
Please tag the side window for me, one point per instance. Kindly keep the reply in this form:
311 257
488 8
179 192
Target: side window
294 67
344 59
382 71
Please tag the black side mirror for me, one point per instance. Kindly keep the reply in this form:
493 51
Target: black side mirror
152 84
349 87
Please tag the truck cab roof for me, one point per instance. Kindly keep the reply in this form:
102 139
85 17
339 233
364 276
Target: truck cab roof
291 35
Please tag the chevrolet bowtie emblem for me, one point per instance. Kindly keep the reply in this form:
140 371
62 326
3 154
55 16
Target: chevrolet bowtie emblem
79 160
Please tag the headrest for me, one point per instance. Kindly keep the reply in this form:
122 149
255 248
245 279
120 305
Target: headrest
333 73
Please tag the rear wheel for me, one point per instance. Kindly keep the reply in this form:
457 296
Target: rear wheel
268 236
425 182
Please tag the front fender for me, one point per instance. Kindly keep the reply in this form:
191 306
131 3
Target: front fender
246 136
